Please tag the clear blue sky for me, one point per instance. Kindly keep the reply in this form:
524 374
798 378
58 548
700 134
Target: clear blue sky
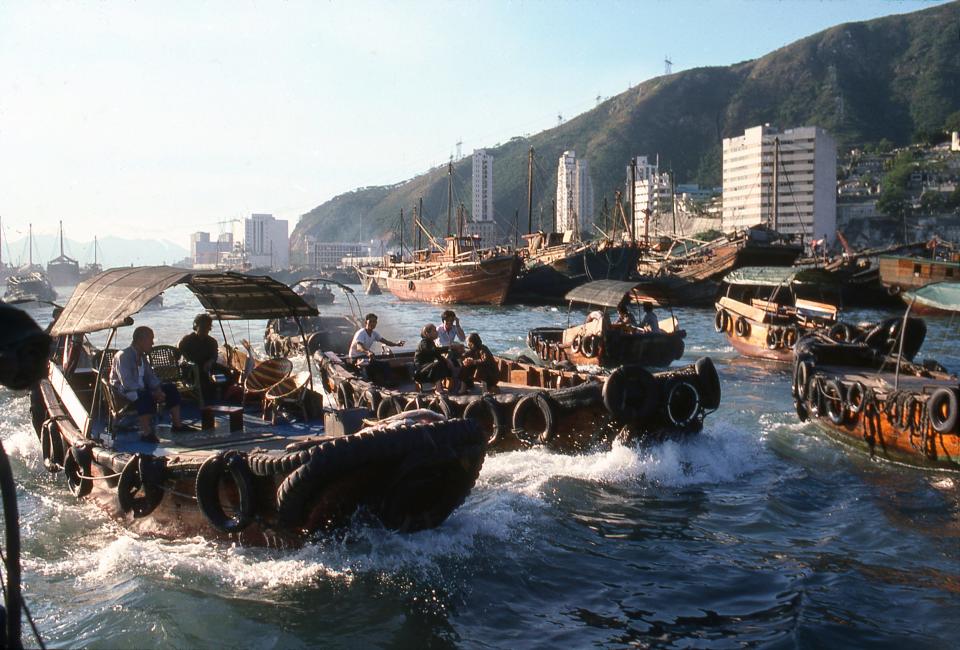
158 119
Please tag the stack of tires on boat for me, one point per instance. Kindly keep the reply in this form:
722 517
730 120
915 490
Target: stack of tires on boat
867 392
560 408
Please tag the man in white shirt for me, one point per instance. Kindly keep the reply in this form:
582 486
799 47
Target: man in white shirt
449 329
361 347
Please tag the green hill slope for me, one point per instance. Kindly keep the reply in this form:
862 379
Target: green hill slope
885 78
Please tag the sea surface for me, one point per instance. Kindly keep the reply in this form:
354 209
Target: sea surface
760 531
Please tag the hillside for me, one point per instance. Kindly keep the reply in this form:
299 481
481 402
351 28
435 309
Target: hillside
886 78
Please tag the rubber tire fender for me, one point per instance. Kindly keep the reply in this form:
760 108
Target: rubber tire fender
709 382
742 327
841 333
620 393
140 473
790 336
77 464
575 344
415 402
371 399
802 378
346 395
773 338
720 321
51 447
673 398
856 393
208 491
481 408
590 346
834 401
441 404
391 405
540 401
942 409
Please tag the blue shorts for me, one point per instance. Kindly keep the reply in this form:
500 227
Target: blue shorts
146 405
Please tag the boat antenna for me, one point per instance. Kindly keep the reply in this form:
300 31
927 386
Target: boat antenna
516 228
449 193
530 192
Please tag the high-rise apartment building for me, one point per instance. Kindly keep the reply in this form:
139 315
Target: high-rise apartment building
266 242
796 196
652 198
205 253
574 195
482 223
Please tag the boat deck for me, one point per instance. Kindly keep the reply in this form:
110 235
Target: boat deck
886 382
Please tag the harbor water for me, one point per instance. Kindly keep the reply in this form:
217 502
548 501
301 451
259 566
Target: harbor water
760 531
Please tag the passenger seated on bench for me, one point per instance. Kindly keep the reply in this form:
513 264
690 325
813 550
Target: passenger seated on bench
431 364
596 314
479 364
361 349
649 321
201 349
624 315
132 376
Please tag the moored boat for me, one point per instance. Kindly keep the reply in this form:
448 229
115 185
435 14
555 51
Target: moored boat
289 336
901 273
935 299
29 287
603 341
240 476
63 271
566 410
878 400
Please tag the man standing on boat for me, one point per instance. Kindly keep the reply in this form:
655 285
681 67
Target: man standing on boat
449 329
132 376
361 348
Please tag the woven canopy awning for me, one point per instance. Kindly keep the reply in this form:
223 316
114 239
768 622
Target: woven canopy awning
944 296
109 299
775 276
609 293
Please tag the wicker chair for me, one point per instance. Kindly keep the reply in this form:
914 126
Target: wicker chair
289 392
265 376
164 359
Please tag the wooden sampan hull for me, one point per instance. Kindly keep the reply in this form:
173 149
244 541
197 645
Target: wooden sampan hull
486 283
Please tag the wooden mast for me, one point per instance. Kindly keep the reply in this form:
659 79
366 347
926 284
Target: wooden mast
633 198
775 199
530 191
449 194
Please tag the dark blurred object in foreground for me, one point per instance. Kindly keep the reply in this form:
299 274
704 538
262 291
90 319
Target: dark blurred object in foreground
24 349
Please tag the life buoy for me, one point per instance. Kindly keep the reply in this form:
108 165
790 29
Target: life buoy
537 406
389 406
77 465
742 327
790 336
682 403
590 345
411 286
51 446
630 394
441 404
840 333
834 402
211 472
942 410
720 321
488 415
345 395
709 382
773 338
371 399
575 344
856 393
141 473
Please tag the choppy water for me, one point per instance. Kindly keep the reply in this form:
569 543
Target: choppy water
761 531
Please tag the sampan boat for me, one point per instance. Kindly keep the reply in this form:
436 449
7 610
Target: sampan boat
878 400
284 337
600 342
565 410
240 476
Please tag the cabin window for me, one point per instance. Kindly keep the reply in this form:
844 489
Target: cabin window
949 273
916 269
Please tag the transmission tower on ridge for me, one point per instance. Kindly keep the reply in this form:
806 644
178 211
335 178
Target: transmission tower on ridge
667 65
460 149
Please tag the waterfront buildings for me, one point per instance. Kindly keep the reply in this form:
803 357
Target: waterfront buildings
266 242
207 254
652 197
482 221
325 255
802 202
574 195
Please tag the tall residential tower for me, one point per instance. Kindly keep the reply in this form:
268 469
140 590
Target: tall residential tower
574 195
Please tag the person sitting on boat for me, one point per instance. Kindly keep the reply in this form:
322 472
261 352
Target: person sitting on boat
201 349
132 376
361 348
431 364
449 329
649 322
479 364
624 315
596 314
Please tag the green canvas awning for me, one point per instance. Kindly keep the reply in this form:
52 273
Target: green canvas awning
944 296
107 300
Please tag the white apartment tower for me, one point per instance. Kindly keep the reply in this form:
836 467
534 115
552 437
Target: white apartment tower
266 242
652 198
574 195
804 201
482 223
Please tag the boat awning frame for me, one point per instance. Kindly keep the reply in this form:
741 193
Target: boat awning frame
609 293
109 299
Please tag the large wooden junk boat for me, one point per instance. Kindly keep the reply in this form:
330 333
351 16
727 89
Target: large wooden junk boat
241 476
764 311
63 271
565 410
462 273
29 283
879 401
601 340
